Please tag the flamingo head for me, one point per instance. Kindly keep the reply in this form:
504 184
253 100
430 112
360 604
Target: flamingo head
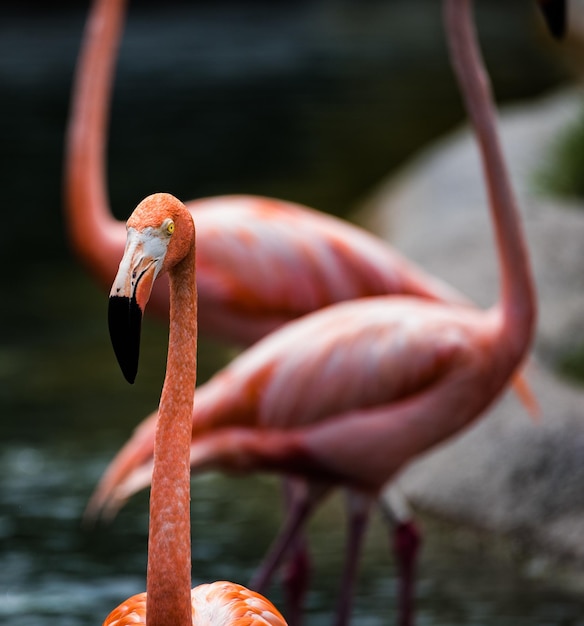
160 234
555 15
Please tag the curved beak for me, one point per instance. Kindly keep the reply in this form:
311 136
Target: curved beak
555 14
129 295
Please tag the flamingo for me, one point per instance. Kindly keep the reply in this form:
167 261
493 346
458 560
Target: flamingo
348 395
261 261
161 238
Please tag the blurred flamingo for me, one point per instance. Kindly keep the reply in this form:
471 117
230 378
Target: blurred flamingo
161 238
261 262
350 394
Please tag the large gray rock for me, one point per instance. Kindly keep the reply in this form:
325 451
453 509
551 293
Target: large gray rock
504 473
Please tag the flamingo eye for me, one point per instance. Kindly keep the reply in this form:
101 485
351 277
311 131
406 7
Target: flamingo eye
169 227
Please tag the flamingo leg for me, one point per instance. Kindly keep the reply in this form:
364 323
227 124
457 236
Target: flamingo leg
305 498
359 509
296 571
406 541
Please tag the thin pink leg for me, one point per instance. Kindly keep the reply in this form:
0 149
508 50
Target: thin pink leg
295 580
358 513
406 539
303 504
297 568
406 543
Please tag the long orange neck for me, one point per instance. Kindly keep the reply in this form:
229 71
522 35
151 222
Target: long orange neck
518 297
96 235
168 582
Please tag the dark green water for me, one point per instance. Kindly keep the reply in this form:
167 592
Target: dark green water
313 102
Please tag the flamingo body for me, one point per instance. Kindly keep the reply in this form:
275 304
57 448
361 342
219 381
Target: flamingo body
264 262
302 391
213 604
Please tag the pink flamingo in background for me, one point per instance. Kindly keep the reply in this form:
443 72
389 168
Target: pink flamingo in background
261 262
348 395
161 238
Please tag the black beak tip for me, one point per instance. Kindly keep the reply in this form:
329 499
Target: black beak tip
130 374
555 14
125 321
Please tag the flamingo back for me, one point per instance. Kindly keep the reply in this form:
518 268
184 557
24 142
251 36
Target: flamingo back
220 603
355 355
263 262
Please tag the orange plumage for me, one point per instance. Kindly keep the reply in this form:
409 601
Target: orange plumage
213 604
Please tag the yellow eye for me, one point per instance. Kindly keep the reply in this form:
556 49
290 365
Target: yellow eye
170 227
